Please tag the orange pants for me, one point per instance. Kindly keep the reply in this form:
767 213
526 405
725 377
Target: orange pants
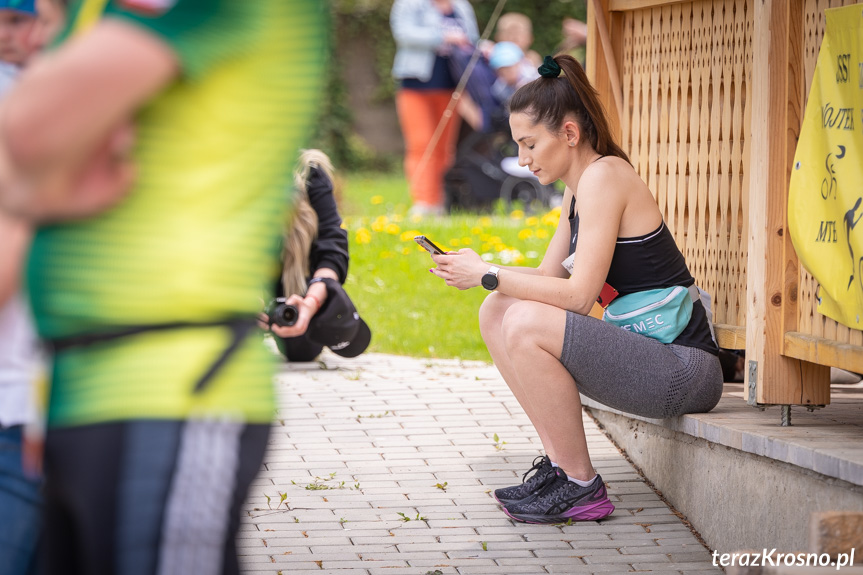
419 113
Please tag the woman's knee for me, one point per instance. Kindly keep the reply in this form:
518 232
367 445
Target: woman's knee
491 313
520 323
532 325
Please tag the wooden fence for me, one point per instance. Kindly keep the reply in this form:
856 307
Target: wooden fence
713 93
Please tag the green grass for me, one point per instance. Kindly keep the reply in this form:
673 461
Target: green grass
410 311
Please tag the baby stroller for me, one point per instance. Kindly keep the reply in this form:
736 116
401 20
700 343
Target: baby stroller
486 162
486 170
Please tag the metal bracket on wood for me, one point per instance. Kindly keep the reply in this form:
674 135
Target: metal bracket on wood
784 410
753 380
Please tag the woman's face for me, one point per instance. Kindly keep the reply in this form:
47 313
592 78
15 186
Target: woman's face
542 151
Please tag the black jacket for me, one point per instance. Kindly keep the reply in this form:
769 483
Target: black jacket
330 247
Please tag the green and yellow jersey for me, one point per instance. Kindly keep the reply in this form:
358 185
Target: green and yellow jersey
197 237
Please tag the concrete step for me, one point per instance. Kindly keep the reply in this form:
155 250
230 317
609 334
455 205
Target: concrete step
743 480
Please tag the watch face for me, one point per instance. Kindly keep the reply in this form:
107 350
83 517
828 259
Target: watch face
489 281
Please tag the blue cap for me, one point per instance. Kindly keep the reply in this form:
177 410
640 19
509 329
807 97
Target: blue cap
26 6
505 54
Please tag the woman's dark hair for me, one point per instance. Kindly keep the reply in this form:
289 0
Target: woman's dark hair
549 100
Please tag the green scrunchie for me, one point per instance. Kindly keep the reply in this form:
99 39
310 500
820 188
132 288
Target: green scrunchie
549 68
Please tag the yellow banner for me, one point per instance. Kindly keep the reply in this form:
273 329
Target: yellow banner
825 199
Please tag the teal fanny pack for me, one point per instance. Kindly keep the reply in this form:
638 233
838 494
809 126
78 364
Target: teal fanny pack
662 314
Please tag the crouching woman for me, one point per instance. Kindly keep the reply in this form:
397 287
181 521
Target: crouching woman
535 322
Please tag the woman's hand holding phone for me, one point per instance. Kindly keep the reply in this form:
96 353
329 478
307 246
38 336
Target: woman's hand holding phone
428 245
462 269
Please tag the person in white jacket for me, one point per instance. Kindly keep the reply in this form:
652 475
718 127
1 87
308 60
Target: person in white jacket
426 32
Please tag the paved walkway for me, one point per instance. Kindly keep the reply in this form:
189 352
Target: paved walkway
383 465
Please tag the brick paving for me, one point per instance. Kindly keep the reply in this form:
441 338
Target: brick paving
383 465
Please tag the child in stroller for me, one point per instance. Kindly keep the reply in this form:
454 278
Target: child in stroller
486 164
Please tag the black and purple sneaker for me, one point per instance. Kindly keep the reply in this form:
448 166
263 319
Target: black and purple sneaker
558 500
541 467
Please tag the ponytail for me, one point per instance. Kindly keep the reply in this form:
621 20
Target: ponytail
550 98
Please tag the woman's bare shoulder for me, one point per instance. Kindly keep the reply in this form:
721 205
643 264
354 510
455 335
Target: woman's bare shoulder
608 178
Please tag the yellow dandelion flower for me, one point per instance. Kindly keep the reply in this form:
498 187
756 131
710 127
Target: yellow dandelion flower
516 214
409 235
466 241
476 230
531 221
392 229
541 234
377 200
551 217
485 221
378 226
525 234
363 236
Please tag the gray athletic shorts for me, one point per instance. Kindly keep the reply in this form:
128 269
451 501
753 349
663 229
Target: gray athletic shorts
638 374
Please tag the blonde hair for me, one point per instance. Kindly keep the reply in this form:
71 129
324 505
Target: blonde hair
303 228
511 24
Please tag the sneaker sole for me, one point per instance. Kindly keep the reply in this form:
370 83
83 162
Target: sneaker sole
593 512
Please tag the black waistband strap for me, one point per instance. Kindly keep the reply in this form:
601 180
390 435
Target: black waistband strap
239 331
239 327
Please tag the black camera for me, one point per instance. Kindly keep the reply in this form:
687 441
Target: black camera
281 313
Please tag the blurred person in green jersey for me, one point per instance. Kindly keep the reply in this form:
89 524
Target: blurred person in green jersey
148 150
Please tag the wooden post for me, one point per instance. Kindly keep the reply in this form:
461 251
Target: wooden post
772 268
610 62
596 63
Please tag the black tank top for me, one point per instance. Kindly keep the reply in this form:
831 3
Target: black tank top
652 261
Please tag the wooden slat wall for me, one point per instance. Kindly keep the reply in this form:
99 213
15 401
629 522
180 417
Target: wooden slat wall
810 322
686 67
687 123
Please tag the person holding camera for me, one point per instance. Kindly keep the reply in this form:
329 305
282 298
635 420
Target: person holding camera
311 309
536 324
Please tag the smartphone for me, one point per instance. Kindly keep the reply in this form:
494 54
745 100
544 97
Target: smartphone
429 245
